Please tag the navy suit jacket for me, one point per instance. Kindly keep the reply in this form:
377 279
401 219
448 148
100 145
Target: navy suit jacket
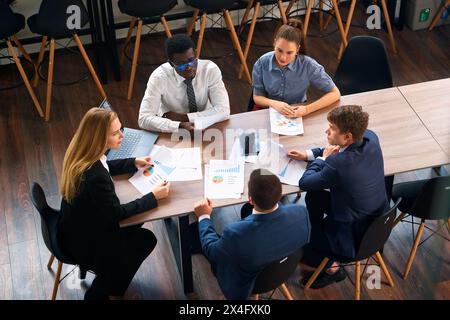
355 178
248 245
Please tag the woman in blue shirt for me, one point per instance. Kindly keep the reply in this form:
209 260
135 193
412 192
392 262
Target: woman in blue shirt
282 77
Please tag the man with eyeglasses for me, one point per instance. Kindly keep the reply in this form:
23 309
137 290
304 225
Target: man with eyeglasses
182 89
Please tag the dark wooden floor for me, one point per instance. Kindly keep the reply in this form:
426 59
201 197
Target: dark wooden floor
33 150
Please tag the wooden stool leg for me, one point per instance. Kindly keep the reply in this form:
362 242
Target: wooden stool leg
50 261
282 12
289 7
246 14
89 65
388 25
320 15
48 100
127 40
166 27
384 268
400 217
307 17
358 280
237 45
13 53
414 249
191 25
316 273
135 59
286 293
438 15
57 277
250 36
201 34
21 48
339 22
347 26
39 60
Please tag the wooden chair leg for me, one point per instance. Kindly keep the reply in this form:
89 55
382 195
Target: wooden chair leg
384 268
135 59
282 12
388 25
166 27
191 25
89 65
48 100
347 27
307 17
316 273
39 61
289 7
127 40
21 48
438 15
57 277
13 53
250 36
50 261
286 293
320 15
339 22
246 14
201 34
399 218
358 280
237 45
413 250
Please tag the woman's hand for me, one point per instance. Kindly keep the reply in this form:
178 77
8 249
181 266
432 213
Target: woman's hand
143 162
161 191
300 110
298 155
283 108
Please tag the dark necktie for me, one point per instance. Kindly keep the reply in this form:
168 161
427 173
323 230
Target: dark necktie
191 95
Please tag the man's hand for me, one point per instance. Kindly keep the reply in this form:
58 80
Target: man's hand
203 207
283 108
176 116
330 150
143 162
298 155
189 126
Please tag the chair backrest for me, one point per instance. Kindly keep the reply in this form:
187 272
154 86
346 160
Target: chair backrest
377 234
364 66
433 201
211 6
277 272
145 9
49 222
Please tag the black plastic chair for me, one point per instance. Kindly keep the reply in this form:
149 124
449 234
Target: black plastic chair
49 224
371 244
432 203
52 21
275 274
139 10
10 24
217 6
364 66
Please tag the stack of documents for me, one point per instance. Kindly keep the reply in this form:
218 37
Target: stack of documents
224 179
285 126
205 121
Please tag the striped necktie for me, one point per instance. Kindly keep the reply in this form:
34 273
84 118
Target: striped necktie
191 95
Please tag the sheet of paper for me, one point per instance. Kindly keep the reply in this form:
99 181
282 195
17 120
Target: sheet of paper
188 163
207 121
285 126
145 180
224 179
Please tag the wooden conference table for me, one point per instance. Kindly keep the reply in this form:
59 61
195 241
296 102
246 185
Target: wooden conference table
406 143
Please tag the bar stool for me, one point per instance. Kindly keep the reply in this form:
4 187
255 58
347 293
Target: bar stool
217 6
10 24
138 10
52 22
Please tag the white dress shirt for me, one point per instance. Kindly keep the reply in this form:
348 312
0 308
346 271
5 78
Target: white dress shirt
310 155
103 160
166 91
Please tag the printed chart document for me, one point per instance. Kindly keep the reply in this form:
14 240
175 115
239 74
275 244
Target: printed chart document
145 180
224 179
207 121
274 158
187 162
285 126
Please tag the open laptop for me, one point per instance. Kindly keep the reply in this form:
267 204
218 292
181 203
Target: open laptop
135 143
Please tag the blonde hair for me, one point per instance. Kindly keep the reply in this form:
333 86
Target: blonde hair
292 31
87 146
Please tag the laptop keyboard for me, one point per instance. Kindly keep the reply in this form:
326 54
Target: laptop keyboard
129 144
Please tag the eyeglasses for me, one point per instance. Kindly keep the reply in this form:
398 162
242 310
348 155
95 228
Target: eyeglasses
184 66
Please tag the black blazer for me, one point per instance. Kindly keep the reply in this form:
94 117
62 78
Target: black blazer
89 228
